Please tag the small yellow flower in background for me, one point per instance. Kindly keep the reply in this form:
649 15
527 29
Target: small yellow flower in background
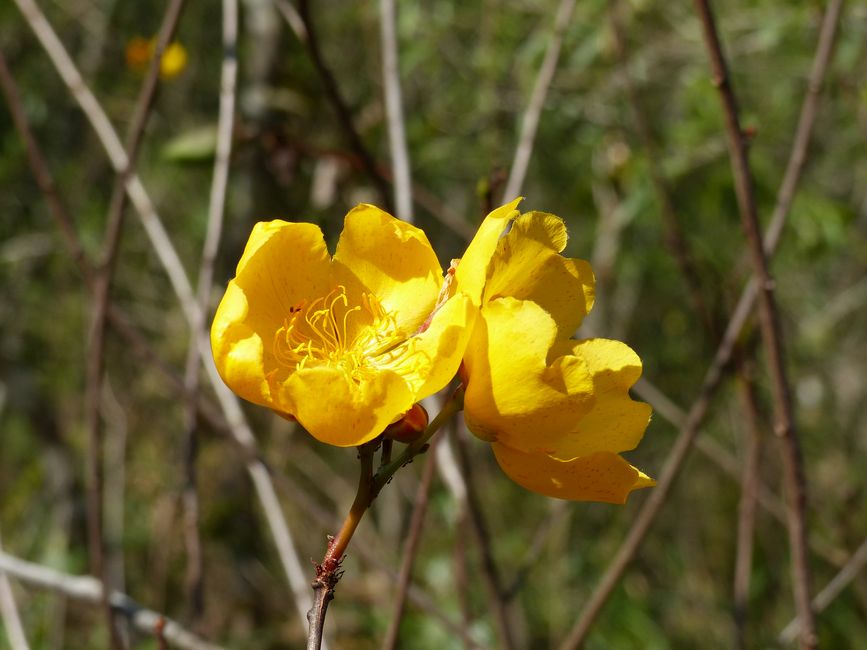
344 344
140 51
556 410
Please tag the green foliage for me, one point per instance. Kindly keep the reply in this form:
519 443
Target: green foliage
468 70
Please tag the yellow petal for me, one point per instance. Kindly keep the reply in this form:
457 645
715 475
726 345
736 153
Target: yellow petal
514 394
615 422
473 267
527 265
602 476
237 348
390 259
439 348
283 264
342 412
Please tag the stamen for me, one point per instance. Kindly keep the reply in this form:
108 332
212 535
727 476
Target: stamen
318 333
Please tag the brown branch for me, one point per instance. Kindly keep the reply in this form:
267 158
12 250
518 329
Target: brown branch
216 210
41 173
328 572
771 329
95 367
749 496
559 512
657 497
674 238
341 108
530 119
834 588
410 550
88 589
174 268
490 571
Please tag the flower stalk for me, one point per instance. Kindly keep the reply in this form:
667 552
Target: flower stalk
328 572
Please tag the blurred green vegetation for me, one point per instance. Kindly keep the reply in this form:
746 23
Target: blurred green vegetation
467 70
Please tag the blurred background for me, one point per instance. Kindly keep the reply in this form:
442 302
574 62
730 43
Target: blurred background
630 149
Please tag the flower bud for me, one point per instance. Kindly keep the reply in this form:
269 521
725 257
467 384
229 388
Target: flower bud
410 427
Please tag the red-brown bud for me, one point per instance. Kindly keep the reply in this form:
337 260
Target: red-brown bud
410 426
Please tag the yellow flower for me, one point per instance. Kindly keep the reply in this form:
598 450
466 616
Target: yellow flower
344 344
556 410
140 51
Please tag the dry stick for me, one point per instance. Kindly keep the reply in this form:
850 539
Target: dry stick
410 550
88 589
769 322
712 378
490 571
216 211
95 367
749 497
530 120
420 195
833 589
559 511
451 476
344 116
394 111
9 615
679 248
171 262
674 238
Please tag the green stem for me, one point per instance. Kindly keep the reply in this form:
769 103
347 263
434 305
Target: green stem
454 404
369 485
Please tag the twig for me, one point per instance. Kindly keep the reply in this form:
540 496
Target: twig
749 495
490 571
171 262
328 572
530 120
344 116
394 111
216 211
95 367
833 589
712 377
369 486
559 512
372 557
43 176
413 539
769 321
9 613
674 238
89 589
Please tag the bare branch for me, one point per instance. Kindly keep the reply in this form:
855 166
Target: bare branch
9 614
653 504
749 496
769 321
394 111
413 538
490 570
171 262
89 590
833 589
338 103
216 210
530 120
101 296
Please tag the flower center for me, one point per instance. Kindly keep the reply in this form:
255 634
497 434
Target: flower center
358 340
